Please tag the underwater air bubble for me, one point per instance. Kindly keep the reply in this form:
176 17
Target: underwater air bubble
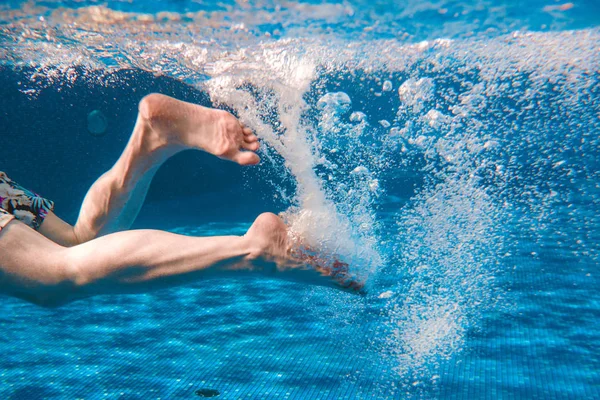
415 92
360 170
357 116
338 102
436 119
374 185
387 86
385 123
97 123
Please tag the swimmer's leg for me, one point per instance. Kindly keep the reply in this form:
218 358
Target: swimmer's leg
164 127
36 269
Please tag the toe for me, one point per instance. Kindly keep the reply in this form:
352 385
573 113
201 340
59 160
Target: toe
251 146
246 158
250 138
246 130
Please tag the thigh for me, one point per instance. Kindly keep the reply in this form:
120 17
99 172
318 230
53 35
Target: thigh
32 267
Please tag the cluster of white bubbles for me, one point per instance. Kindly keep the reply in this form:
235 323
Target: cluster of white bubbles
316 219
498 134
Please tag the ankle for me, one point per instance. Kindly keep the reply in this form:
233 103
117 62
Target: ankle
150 107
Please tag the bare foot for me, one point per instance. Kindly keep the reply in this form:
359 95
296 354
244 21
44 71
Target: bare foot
176 124
275 255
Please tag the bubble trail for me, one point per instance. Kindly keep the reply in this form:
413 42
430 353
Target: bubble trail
315 219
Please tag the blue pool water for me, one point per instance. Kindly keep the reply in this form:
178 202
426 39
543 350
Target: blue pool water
447 150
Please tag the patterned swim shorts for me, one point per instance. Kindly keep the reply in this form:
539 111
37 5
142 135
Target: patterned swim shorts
22 204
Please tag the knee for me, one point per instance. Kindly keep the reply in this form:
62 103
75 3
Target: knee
58 288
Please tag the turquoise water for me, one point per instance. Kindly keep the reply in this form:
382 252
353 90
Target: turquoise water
447 150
